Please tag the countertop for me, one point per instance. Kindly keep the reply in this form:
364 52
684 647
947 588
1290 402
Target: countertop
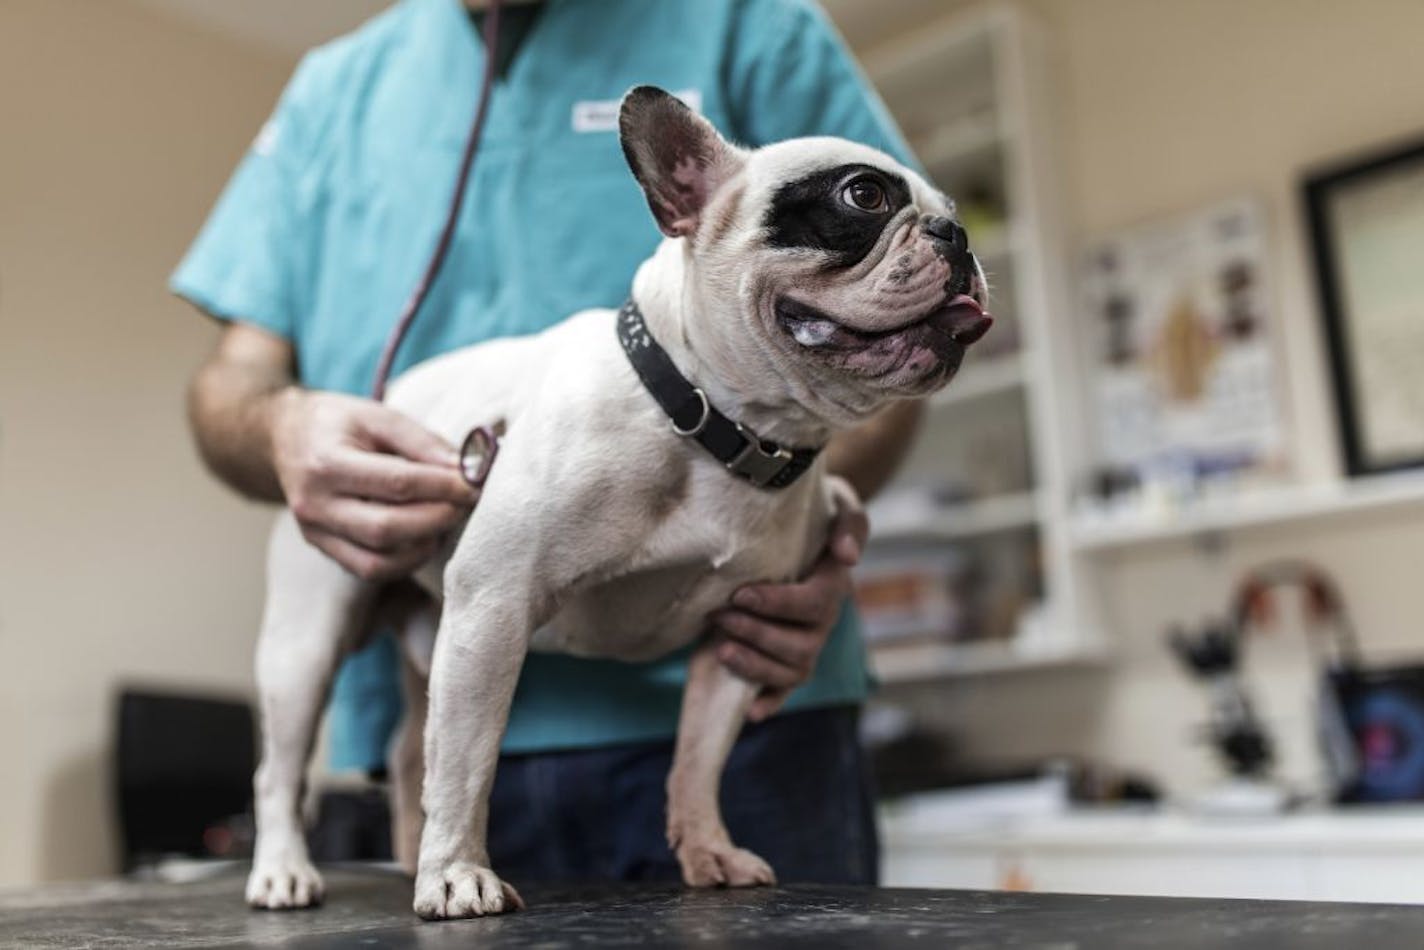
369 907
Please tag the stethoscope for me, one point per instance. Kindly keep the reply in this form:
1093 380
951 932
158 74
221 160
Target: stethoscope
481 445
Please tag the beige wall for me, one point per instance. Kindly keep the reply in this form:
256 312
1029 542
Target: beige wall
1164 107
120 561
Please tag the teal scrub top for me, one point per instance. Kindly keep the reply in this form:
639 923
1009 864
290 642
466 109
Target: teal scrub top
332 214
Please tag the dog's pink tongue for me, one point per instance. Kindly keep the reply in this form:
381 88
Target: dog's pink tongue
963 320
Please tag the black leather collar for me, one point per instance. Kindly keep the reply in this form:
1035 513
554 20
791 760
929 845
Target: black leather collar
744 453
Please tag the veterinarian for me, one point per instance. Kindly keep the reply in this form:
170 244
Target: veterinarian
306 261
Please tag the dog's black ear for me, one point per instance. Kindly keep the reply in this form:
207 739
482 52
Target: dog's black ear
676 155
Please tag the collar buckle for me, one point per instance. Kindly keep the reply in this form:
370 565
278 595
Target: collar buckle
755 463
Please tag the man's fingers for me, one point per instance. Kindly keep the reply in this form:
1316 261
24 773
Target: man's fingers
369 565
389 478
794 647
396 432
767 703
810 602
388 528
756 667
848 534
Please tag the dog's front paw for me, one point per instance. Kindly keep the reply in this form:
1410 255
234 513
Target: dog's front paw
463 889
722 864
284 883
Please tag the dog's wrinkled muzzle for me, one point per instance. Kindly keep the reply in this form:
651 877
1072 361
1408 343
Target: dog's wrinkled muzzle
960 322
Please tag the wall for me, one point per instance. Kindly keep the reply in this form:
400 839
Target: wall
120 560
1165 107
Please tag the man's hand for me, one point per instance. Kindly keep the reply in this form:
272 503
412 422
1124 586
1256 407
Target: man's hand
774 632
369 486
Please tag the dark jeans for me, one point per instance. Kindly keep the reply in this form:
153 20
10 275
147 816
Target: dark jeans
796 791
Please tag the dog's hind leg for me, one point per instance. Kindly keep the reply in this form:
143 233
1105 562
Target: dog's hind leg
314 612
407 768
714 705
407 757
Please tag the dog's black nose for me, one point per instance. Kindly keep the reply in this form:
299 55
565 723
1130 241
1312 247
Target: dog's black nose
952 244
947 230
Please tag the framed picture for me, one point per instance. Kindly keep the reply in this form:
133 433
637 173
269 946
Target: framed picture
1367 238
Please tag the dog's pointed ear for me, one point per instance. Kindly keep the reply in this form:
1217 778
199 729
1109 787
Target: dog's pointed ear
676 155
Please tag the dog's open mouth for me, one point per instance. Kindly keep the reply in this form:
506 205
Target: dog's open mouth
946 330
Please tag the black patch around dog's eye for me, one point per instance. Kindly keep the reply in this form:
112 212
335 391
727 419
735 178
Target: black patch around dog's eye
810 213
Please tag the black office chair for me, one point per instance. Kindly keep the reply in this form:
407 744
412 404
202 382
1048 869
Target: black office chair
183 769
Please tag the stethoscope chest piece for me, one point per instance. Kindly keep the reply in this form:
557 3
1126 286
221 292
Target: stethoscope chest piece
477 454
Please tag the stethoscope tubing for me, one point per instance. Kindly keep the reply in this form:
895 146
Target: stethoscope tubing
481 445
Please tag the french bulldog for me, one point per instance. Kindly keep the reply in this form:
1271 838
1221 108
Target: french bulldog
800 288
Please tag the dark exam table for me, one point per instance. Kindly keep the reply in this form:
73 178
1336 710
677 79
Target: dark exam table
370 908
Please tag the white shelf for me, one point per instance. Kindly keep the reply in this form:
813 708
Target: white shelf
978 380
901 61
1250 510
968 520
928 661
952 144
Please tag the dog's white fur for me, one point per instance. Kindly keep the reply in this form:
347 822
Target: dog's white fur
599 532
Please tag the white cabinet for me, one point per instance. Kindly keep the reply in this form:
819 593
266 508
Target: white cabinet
984 495
1369 855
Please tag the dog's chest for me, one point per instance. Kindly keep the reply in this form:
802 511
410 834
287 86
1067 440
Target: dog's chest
692 563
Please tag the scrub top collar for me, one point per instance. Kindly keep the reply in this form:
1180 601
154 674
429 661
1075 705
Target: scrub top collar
516 22
447 55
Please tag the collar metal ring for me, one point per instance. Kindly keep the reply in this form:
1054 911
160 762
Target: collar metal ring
702 419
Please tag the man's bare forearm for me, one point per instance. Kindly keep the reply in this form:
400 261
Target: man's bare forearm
868 455
230 407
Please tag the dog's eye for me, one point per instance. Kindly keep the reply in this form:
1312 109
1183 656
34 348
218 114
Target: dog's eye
866 194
